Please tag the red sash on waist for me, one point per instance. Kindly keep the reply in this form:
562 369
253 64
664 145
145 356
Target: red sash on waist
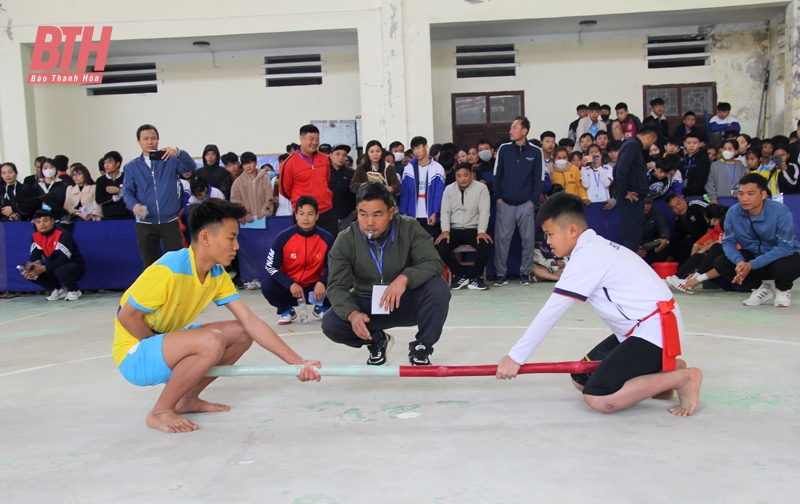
670 337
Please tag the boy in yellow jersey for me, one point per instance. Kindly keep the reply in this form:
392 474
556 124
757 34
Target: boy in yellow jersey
153 342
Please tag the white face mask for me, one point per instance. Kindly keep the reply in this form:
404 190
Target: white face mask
728 155
485 155
561 163
49 173
398 156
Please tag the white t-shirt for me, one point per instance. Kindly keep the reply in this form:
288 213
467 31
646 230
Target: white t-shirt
215 193
619 286
422 189
596 183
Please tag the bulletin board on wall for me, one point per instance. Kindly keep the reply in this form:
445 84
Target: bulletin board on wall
336 132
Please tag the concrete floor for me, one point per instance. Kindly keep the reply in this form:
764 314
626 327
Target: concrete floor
72 429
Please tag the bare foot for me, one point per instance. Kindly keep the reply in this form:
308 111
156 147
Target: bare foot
197 405
689 394
667 394
169 421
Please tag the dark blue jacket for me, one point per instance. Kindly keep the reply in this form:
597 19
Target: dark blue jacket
769 235
157 189
630 172
519 174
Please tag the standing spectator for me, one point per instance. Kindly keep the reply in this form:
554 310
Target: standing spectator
688 126
307 173
56 264
234 168
344 200
33 180
548 139
17 201
724 122
759 245
745 143
253 189
696 166
423 188
518 183
297 264
398 151
62 163
448 161
374 169
591 124
584 142
211 172
605 115
151 193
789 167
51 190
108 191
723 179
465 218
461 155
487 159
655 234
388 261
627 125
582 112
79 203
596 178
767 150
657 117
630 179
283 206
713 153
602 141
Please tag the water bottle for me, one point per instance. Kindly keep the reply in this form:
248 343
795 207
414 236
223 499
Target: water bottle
302 312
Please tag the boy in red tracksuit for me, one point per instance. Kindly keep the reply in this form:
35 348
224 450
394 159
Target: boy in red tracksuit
297 264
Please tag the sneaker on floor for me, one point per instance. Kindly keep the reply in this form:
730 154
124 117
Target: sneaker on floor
760 295
678 284
319 311
73 295
458 283
501 281
525 280
287 317
477 284
378 351
419 356
57 294
783 299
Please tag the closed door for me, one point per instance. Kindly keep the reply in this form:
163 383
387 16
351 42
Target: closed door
484 115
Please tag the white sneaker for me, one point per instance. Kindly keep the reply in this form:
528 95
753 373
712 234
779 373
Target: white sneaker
678 284
783 299
73 295
760 295
57 294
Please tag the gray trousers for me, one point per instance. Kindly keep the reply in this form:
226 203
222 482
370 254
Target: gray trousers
508 217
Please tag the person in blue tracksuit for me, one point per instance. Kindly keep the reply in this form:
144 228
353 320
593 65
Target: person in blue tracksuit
422 188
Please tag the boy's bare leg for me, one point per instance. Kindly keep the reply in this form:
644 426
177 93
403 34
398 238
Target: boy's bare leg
190 354
685 381
667 394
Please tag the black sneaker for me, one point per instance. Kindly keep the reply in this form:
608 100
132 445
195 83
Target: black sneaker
459 282
378 351
477 284
419 355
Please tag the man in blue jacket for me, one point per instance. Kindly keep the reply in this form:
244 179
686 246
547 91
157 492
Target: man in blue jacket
422 188
518 182
152 192
770 251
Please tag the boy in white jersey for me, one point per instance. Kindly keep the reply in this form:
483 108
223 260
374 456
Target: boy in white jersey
639 359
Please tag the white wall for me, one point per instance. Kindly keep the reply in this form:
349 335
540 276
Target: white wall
229 106
557 76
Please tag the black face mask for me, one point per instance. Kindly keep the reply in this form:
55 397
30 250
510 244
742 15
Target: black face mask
655 156
605 116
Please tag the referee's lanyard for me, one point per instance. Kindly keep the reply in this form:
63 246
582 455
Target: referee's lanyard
378 263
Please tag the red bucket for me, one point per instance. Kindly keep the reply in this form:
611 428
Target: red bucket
665 269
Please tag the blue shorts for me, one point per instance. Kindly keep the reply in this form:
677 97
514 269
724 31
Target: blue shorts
144 365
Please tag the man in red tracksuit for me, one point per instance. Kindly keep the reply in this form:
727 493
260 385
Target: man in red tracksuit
297 264
307 172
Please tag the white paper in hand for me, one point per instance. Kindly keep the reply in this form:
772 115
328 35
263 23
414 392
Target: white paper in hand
377 294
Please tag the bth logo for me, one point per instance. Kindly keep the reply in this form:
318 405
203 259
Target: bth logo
47 55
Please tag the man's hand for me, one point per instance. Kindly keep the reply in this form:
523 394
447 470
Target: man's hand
248 217
485 237
608 206
507 369
500 200
36 270
169 152
358 321
742 270
7 211
319 292
296 290
664 243
14 217
483 182
445 236
432 219
391 296
139 210
587 202
561 264
308 373
642 252
112 190
632 197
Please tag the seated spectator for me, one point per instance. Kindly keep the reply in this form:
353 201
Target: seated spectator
108 189
673 146
724 176
448 161
33 180
585 141
656 117
325 148
582 110
546 266
344 201
752 160
626 125
688 126
745 144
690 225
591 123
699 267
473 160
461 155
567 144
655 234
724 122
375 169
434 151
18 201
465 218
253 189
200 191
568 175
662 182
767 150
759 245
291 148
389 261
696 166
101 167
62 165
596 178
656 151
51 191
55 262
423 188
548 139
602 141
79 202
211 172
789 168
605 115
297 264
713 153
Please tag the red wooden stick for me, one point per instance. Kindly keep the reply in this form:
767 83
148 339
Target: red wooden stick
576 367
